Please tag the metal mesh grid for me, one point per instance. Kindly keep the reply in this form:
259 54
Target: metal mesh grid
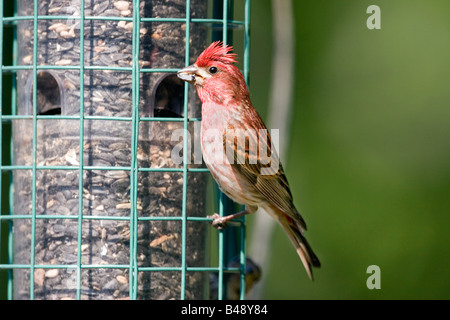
135 120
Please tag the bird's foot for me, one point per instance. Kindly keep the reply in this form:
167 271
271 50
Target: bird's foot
221 222
218 222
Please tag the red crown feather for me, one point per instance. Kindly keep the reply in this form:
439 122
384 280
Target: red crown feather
216 52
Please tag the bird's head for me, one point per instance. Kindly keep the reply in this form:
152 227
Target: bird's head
215 75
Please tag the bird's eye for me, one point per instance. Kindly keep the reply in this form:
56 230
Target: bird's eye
213 70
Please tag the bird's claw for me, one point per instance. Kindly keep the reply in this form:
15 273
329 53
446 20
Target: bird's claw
218 221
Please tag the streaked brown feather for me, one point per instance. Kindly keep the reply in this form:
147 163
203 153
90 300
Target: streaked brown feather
274 187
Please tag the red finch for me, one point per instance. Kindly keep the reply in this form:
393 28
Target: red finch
238 150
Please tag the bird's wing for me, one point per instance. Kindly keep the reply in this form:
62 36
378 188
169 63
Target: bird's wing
263 170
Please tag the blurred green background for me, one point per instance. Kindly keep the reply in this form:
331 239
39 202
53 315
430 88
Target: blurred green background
369 153
368 159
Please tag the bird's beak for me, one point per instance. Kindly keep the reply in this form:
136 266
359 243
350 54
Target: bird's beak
189 74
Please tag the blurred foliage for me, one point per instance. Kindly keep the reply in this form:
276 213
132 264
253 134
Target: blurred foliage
369 154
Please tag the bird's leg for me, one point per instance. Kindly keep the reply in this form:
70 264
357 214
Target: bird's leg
221 222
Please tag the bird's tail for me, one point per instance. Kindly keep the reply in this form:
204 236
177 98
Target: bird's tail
295 233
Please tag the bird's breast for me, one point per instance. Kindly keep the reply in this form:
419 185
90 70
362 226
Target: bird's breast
214 121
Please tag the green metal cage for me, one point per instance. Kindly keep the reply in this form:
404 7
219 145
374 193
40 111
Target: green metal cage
230 242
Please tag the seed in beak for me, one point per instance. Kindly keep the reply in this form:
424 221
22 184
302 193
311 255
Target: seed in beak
188 74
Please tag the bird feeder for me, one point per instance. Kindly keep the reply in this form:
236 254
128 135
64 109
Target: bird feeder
107 199
104 205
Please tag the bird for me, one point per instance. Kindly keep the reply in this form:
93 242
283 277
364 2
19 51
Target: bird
252 274
238 150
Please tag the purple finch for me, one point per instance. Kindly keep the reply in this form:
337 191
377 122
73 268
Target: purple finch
238 150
